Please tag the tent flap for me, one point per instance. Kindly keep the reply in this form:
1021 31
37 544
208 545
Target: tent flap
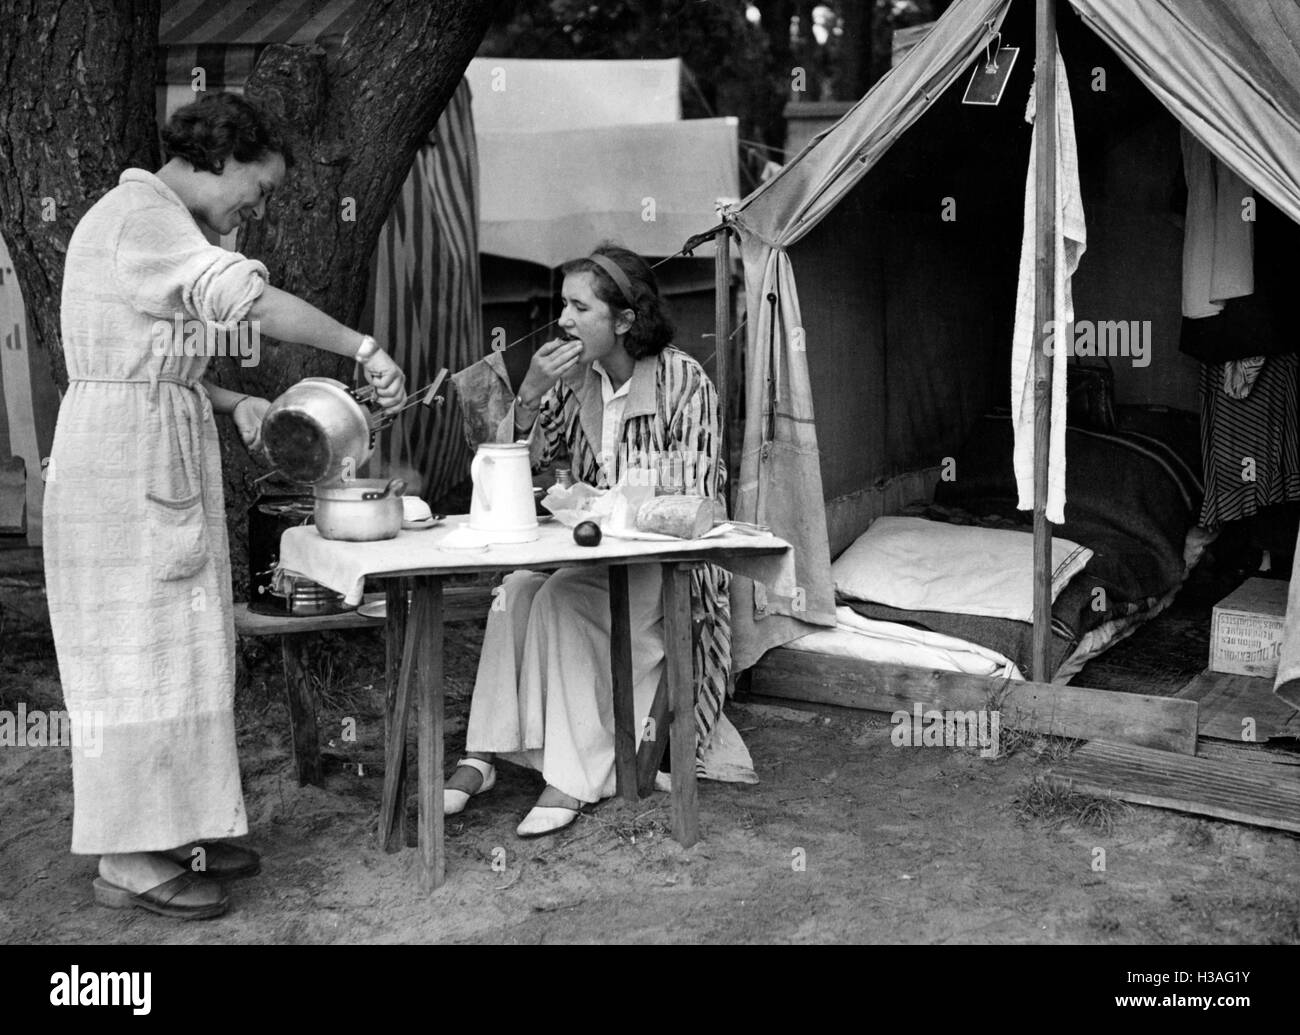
1229 71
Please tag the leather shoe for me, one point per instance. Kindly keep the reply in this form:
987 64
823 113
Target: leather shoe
186 896
221 861
545 819
454 801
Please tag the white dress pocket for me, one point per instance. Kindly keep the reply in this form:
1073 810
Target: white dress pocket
178 536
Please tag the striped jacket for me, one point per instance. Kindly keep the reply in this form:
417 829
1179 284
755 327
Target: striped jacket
671 431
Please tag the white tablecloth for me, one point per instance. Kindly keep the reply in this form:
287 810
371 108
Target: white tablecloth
343 567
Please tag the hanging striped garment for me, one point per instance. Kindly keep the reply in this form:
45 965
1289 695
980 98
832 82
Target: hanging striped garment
426 297
670 426
1250 447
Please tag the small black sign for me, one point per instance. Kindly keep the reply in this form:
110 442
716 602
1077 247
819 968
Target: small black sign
989 77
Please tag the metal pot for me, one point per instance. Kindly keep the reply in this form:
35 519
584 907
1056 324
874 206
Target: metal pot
361 511
318 431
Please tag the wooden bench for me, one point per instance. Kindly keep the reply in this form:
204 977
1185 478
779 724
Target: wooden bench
460 604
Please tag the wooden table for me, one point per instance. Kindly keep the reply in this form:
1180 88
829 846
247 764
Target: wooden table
416 562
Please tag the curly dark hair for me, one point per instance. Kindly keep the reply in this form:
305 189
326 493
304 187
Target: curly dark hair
220 125
652 330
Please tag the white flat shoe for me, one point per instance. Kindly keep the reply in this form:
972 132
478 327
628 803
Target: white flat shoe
545 819
454 801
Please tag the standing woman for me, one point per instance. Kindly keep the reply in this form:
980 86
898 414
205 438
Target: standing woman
617 398
136 559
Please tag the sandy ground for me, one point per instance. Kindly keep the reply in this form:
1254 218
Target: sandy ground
846 838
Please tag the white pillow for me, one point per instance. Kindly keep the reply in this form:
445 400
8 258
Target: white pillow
922 565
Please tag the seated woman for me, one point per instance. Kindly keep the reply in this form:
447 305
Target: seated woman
617 397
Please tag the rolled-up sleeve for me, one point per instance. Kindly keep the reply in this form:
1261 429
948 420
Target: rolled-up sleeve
164 265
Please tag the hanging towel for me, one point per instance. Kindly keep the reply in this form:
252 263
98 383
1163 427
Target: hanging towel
1071 242
1239 376
1218 244
485 398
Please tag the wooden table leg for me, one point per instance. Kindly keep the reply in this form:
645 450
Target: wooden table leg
433 860
620 658
393 805
302 709
653 739
395 636
681 699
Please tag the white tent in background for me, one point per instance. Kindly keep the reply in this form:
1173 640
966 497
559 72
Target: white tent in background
575 152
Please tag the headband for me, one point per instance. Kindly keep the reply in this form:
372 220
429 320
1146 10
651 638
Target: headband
616 275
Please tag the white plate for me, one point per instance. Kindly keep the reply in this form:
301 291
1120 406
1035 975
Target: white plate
374 609
419 526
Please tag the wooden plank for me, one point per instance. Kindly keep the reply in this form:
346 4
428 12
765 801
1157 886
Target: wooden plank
681 700
1044 311
722 337
620 661
1202 786
1245 754
460 604
302 710
433 858
1227 700
653 739
1063 711
395 637
393 805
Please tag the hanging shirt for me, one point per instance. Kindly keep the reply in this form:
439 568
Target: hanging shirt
611 424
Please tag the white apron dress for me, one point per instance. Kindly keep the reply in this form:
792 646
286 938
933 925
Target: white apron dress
137 564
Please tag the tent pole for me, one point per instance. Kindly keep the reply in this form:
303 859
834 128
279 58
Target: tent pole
722 350
1044 311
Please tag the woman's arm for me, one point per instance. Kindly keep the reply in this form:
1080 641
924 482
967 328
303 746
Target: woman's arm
289 318
223 399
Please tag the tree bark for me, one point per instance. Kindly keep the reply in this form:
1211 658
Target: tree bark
355 118
77 108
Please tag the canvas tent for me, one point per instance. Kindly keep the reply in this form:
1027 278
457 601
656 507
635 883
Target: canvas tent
575 152
877 336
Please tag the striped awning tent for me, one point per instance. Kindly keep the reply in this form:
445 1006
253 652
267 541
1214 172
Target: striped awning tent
424 299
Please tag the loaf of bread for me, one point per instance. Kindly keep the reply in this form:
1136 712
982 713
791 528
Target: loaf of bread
686 517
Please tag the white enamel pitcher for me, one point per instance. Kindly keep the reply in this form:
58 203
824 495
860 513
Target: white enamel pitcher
502 506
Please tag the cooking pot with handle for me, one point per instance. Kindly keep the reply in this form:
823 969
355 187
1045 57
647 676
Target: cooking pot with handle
319 432
360 511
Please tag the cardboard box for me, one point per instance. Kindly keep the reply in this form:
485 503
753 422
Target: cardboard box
1246 628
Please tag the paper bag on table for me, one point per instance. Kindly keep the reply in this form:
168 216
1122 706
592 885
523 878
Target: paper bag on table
614 510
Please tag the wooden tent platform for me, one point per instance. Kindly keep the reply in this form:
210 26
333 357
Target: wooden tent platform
1184 752
1249 787
1231 706
1232 776
1162 723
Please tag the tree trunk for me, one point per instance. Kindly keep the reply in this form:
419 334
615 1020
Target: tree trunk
355 119
77 108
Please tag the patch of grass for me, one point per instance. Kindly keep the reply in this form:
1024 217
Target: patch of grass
1055 804
1039 746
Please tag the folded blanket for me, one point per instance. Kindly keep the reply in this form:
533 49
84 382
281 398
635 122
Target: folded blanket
920 565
